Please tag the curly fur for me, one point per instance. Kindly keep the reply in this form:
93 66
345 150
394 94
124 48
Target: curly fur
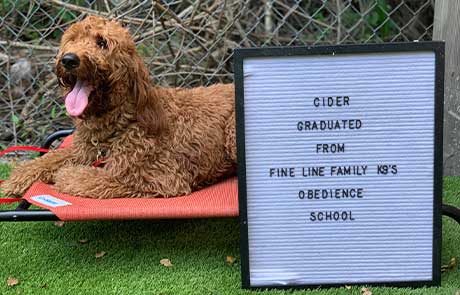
156 141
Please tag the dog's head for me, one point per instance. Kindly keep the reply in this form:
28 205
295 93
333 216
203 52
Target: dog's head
97 58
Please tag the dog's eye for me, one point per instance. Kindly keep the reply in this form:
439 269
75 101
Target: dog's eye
101 43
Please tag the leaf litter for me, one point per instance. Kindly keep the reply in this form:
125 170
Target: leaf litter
100 254
230 260
12 281
166 262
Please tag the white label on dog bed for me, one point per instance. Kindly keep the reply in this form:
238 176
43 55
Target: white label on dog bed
50 201
339 156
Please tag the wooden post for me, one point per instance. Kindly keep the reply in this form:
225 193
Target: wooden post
447 28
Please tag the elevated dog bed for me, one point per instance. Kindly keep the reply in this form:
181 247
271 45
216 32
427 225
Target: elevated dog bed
219 200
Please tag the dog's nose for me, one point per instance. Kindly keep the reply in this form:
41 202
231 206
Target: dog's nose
70 61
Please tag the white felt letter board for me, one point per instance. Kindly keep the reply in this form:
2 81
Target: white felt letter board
340 163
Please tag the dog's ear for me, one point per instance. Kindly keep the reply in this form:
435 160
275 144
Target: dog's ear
128 67
150 114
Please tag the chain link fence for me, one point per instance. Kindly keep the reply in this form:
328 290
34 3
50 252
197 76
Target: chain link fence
185 43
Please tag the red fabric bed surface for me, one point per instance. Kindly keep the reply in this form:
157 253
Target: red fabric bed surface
66 142
219 200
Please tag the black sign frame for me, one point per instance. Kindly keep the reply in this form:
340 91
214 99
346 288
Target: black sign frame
438 47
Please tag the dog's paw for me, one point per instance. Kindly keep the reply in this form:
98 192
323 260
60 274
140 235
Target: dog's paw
14 188
23 176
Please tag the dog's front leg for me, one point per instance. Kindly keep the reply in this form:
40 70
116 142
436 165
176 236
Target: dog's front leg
87 181
101 183
39 169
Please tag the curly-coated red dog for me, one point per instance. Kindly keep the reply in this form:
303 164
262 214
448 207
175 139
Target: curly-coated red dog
155 141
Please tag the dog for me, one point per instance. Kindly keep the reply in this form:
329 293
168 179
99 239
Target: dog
155 142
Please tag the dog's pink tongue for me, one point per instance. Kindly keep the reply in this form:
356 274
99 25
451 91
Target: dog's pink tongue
77 99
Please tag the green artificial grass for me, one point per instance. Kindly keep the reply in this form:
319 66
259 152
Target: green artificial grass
47 259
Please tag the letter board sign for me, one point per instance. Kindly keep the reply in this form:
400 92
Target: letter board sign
340 164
